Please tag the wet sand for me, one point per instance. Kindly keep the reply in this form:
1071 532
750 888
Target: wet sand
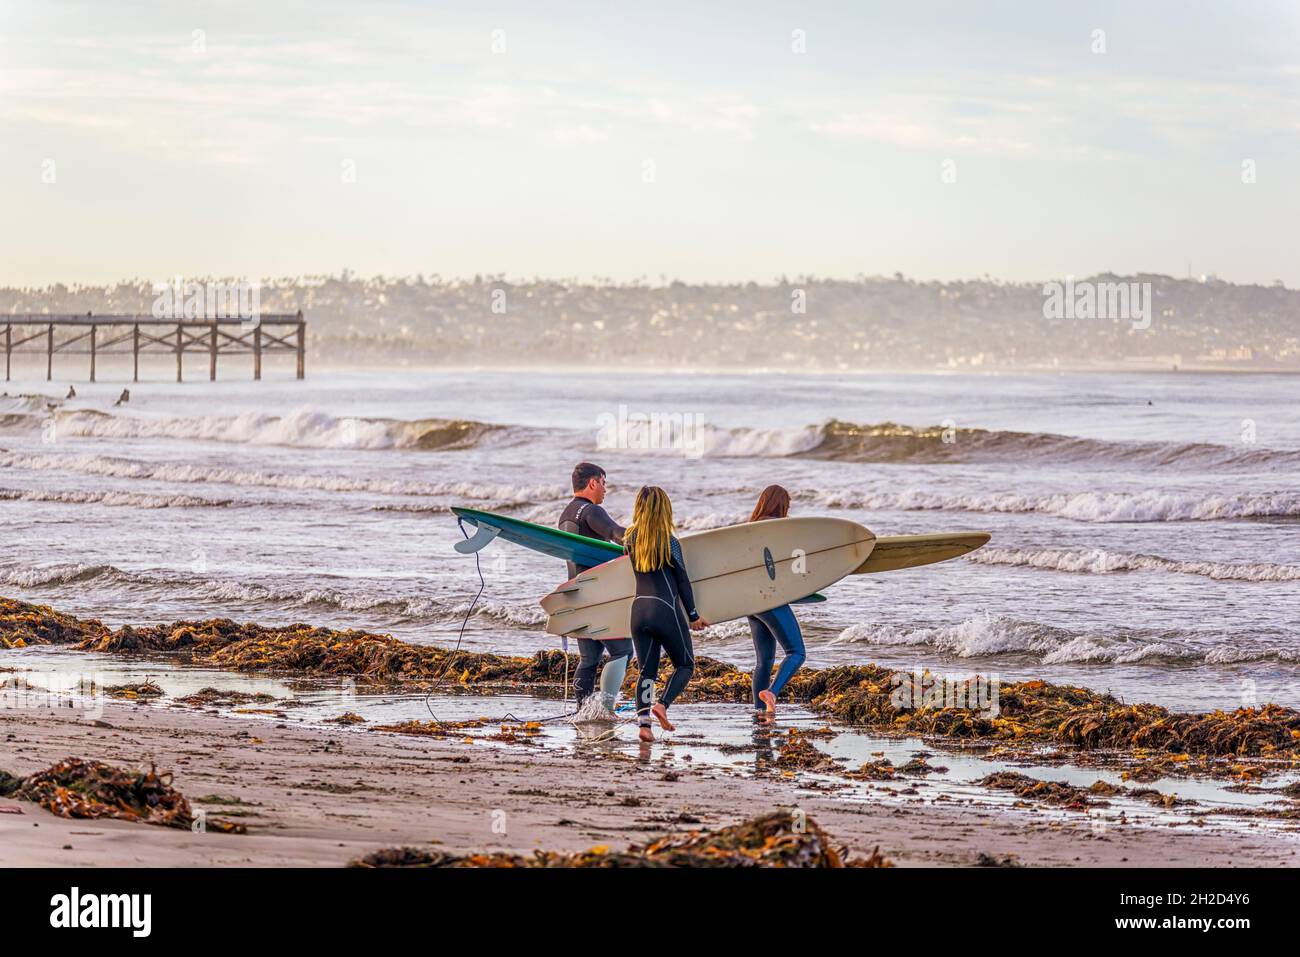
321 797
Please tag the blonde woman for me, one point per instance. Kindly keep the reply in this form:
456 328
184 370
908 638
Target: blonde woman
663 611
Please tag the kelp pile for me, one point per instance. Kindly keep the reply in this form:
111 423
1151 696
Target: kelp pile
22 624
1037 712
777 839
434 729
1073 798
1049 792
522 733
1028 713
142 690
305 649
77 788
214 697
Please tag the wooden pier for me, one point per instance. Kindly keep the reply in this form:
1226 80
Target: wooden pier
97 335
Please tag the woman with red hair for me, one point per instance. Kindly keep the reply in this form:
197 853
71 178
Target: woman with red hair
778 626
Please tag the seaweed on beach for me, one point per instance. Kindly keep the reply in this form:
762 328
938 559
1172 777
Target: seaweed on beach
23 624
212 697
777 839
434 729
880 770
1037 712
77 788
133 692
1049 792
1028 714
800 754
1075 798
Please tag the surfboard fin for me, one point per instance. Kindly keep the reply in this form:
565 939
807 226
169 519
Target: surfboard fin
812 599
480 540
585 631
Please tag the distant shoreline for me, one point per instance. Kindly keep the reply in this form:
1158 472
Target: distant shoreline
322 364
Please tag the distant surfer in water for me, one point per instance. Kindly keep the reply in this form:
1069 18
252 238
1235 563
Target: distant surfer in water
584 516
663 611
774 627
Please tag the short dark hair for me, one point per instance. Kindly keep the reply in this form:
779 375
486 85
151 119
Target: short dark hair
583 473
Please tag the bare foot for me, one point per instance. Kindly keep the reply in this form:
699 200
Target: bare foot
768 699
661 715
645 734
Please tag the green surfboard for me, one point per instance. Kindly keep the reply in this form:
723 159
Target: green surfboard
551 541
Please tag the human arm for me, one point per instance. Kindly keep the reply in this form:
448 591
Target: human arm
678 566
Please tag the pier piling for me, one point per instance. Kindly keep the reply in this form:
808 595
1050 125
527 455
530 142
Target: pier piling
138 335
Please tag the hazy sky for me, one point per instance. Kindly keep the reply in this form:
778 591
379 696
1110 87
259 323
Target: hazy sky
287 138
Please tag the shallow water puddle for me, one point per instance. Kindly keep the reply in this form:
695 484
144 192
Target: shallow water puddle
722 738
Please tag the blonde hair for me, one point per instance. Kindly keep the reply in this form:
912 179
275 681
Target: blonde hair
648 538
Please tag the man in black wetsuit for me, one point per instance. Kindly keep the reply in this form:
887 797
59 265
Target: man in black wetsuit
584 516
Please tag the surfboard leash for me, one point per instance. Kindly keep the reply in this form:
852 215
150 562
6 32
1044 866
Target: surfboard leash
508 716
460 636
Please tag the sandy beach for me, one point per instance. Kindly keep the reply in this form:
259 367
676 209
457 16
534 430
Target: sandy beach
316 797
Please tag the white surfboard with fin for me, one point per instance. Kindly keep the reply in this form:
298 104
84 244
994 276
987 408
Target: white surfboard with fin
735 571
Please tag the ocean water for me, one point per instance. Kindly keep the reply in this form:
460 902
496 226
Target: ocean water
1146 527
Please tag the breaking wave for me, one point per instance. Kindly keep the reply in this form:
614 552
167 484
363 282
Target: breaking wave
1152 505
44 575
986 635
302 428
1101 562
127 499
416 607
499 495
889 442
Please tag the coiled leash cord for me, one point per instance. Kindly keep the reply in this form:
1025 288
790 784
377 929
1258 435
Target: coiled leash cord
482 584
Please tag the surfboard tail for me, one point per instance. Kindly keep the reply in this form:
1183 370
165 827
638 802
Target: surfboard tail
895 552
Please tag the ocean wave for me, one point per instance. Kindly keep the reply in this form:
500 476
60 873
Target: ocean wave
177 584
678 435
1153 505
124 499
1098 561
890 442
989 636
303 427
501 496
65 574
417 607
27 402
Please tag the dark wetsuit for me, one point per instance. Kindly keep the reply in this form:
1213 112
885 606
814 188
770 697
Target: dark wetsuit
584 517
664 601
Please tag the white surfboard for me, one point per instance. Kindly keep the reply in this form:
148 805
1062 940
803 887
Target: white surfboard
735 571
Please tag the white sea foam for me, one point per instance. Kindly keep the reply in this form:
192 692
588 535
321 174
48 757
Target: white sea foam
1098 561
63 574
126 499
501 496
303 427
1148 506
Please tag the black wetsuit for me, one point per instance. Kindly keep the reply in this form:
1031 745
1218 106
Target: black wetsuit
584 517
664 601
